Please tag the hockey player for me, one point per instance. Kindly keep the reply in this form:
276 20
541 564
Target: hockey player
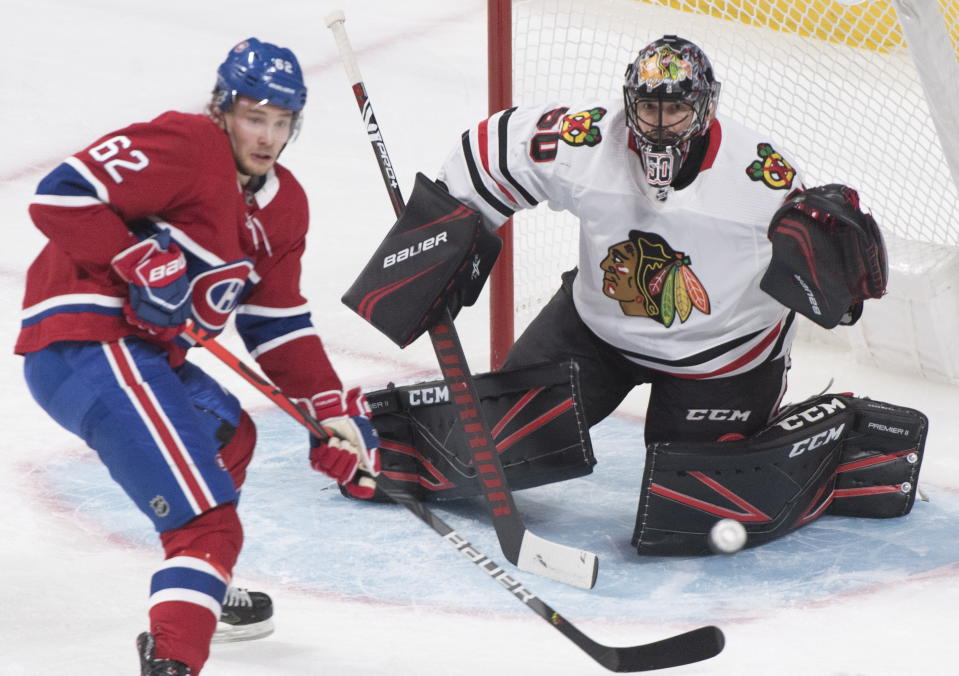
698 245
674 204
186 217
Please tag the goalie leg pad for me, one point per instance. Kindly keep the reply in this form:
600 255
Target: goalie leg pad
535 416
833 454
880 464
437 256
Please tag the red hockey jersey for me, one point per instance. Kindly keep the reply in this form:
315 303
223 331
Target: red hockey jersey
243 248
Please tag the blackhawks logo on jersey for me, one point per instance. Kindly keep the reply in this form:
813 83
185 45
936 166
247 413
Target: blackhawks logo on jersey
771 168
580 129
651 279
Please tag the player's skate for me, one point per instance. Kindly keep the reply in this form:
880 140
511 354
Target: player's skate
153 667
246 615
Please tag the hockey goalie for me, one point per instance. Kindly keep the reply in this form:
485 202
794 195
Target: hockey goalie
699 245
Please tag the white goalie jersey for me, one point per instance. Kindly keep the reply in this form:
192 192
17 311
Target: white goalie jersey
673 282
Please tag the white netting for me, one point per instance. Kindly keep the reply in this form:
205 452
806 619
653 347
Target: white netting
833 85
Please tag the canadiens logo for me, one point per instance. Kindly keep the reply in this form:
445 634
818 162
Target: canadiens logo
217 292
771 168
580 129
651 279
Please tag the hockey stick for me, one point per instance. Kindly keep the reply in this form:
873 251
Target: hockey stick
692 646
521 547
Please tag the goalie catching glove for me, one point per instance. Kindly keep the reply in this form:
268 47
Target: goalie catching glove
828 256
350 455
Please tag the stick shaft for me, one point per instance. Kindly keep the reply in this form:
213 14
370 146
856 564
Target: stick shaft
693 646
335 22
520 547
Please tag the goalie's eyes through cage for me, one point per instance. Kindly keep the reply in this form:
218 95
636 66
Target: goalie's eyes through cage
673 115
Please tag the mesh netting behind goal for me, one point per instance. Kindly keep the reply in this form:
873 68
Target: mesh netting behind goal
833 85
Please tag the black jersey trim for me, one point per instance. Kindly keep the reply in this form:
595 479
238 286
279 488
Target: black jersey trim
503 132
478 184
777 348
696 359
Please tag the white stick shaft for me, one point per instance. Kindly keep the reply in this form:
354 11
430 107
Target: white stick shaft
336 22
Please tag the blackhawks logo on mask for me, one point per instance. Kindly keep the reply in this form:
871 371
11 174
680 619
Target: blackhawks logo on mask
651 279
664 64
771 168
580 129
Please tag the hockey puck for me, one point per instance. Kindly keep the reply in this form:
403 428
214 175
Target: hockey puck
727 536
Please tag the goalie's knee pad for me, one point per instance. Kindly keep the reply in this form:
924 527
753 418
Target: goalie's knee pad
534 414
833 453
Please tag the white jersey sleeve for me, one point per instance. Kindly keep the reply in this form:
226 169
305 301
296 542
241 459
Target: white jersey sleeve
507 162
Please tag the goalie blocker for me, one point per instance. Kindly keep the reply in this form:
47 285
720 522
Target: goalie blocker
831 454
438 254
537 424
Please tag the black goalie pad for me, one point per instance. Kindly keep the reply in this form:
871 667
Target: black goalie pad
834 454
880 463
436 256
535 417
828 256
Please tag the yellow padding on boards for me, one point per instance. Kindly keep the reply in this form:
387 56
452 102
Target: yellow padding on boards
869 25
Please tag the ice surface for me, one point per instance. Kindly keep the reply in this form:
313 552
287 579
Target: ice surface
369 590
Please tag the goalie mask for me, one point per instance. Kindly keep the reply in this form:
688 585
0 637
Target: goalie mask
671 96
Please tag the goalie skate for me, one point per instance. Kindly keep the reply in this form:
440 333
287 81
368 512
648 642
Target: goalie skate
245 615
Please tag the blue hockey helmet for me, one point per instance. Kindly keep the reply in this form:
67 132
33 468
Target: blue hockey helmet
261 71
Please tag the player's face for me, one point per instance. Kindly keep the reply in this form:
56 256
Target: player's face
258 134
664 121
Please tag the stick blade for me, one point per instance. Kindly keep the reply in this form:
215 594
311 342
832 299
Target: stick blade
569 565
693 646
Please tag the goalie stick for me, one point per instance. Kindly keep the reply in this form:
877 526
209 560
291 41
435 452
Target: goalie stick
692 646
522 548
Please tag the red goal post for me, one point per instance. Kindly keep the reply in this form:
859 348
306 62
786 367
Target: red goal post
862 92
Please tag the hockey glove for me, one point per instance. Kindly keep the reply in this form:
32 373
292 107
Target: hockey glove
828 256
350 454
159 289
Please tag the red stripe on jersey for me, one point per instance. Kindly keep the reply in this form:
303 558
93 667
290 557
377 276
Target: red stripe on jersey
715 132
174 450
483 140
743 360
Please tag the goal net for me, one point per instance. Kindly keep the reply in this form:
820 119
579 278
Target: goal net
833 83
